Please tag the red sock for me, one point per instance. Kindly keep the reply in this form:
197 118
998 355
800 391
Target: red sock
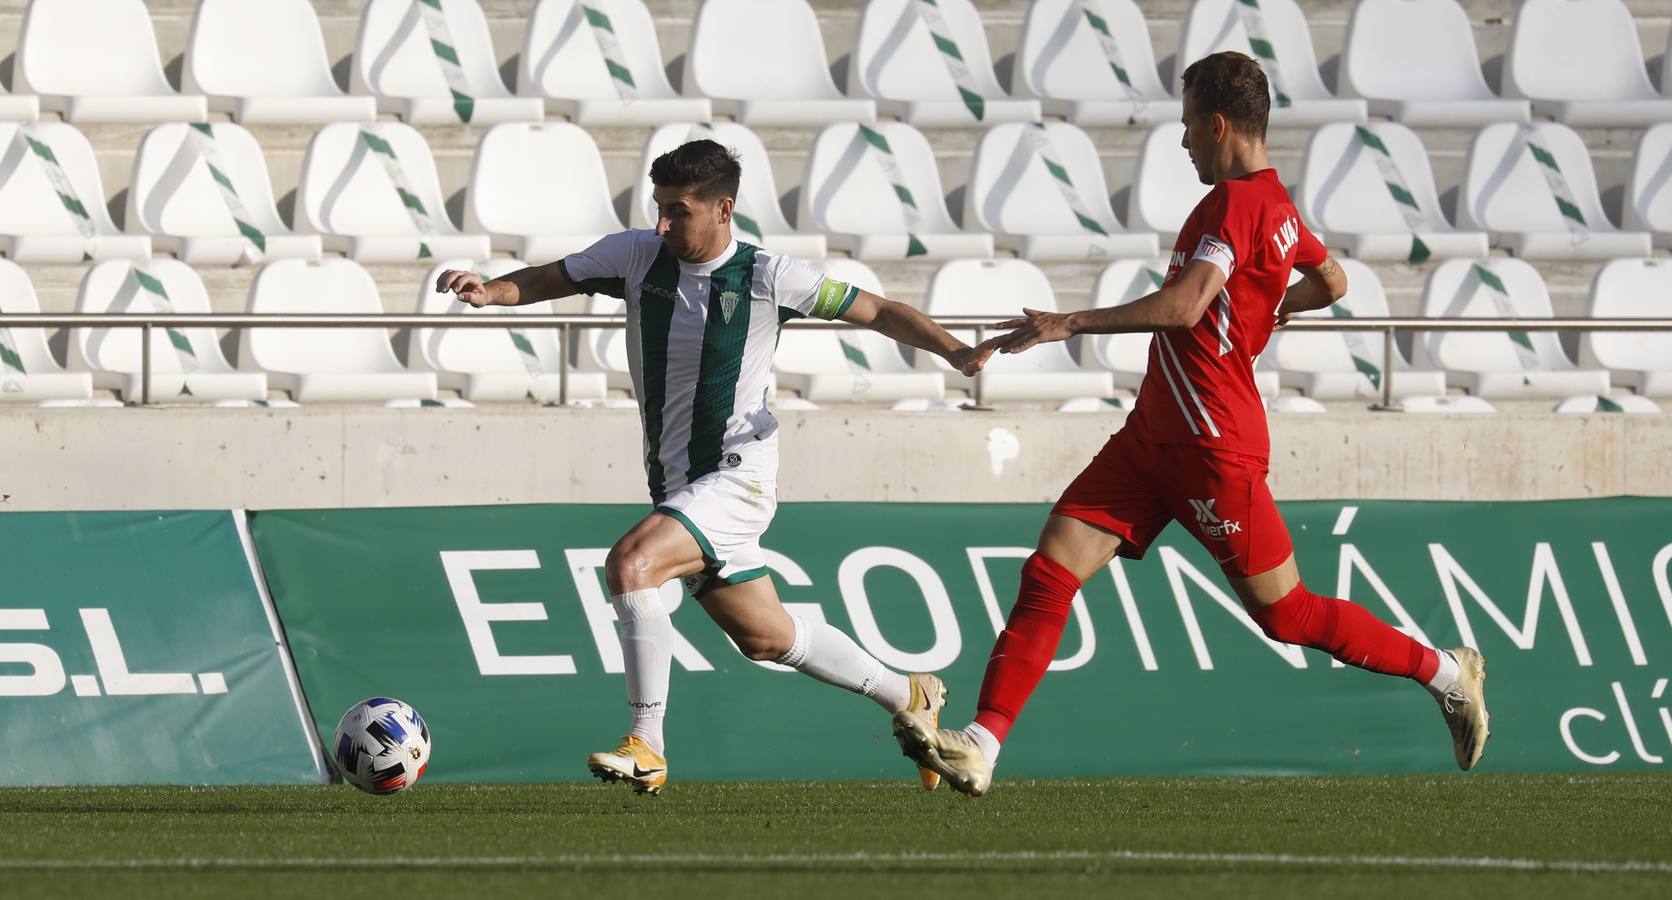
1348 632
1028 643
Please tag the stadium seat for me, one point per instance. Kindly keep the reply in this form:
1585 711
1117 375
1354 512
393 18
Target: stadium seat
1648 202
1039 189
434 64
1369 189
52 201
371 191
1515 364
1001 288
1516 193
782 79
177 195
28 371
539 190
1446 405
1415 61
758 218
1298 93
187 365
1640 360
492 364
564 62
1579 61
1344 365
96 61
1063 61
926 62
266 63
325 364
18 107
858 365
1596 403
604 350
876 193
1165 187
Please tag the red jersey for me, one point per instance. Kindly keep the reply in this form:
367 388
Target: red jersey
1199 387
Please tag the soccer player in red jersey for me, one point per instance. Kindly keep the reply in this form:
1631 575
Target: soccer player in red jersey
1195 447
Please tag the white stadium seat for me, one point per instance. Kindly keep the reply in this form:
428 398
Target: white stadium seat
848 195
1215 25
325 364
175 197
266 63
97 61
1415 61
349 193
401 57
764 64
758 217
18 107
564 63
1629 289
539 190
38 224
1648 203
1340 365
1062 60
1001 288
187 365
899 60
1165 187
1596 403
492 364
1579 61
28 371
1515 194
1347 194
1497 364
604 350
858 365
1023 200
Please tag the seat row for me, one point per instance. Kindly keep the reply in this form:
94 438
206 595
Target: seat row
599 62
539 191
512 363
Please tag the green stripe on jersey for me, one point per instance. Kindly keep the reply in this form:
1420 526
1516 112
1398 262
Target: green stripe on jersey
609 287
656 308
723 342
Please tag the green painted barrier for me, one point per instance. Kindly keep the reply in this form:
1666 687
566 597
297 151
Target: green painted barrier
493 622
135 649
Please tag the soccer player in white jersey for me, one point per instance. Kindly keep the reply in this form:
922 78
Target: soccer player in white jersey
703 315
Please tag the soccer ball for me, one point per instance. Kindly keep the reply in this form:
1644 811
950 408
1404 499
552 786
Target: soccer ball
381 746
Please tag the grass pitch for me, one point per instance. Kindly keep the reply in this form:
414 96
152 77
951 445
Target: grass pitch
1474 836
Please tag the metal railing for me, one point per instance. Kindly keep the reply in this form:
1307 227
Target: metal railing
1388 327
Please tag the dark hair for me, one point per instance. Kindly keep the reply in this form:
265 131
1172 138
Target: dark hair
709 170
1233 85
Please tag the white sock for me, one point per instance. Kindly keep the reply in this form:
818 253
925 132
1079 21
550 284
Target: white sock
984 739
832 657
1445 677
647 651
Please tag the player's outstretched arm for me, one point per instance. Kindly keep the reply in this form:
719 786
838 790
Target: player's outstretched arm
1180 304
914 329
1317 288
530 285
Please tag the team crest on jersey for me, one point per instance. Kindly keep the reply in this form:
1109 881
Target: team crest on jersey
728 305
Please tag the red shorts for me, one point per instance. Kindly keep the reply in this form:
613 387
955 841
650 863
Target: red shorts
1133 489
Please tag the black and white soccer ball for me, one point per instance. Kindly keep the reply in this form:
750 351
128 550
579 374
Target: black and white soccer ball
381 746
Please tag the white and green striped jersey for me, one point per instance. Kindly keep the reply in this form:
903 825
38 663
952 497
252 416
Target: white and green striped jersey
700 339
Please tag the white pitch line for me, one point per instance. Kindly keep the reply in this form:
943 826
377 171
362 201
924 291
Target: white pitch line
792 860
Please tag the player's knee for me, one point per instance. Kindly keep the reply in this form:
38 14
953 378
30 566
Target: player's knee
629 568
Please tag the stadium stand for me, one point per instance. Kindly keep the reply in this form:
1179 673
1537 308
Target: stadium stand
52 200
1596 403
28 371
203 193
433 65
1630 288
927 63
1580 63
539 190
1092 68
784 79
1124 356
604 350
1648 197
187 365
1279 28
266 63
97 61
598 62
1416 62
857 366
1039 189
18 107
1166 187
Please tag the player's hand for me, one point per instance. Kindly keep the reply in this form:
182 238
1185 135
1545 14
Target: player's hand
970 360
1283 319
467 285
1034 328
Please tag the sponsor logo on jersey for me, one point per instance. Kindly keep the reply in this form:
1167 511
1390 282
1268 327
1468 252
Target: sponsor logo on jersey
1209 521
657 290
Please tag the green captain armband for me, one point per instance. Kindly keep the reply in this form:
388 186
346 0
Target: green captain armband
833 298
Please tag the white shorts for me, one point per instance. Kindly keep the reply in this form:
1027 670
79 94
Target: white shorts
726 512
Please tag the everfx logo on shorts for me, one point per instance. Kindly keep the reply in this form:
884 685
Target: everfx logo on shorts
1209 521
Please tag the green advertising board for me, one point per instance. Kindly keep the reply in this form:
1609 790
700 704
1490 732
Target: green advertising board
135 649
494 623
